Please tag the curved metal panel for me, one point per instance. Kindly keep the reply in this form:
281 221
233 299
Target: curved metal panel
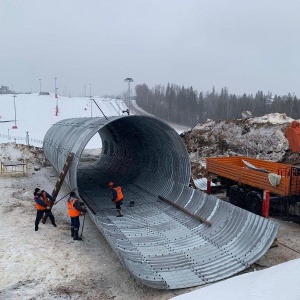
161 246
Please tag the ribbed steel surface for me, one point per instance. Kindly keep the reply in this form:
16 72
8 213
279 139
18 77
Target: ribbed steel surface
201 183
159 245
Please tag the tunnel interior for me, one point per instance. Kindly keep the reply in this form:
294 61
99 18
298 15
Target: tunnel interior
143 155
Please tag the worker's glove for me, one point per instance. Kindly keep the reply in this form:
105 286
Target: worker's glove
48 207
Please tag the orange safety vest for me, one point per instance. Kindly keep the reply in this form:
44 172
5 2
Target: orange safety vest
73 212
38 206
48 202
119 193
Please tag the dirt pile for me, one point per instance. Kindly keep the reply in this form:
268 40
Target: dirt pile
262 138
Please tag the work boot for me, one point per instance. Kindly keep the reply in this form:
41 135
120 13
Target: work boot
72 232
119 213
76 237
36 228
53 223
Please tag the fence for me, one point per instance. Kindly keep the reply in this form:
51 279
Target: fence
21 138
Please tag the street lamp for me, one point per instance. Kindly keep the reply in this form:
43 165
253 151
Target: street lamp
40 85
15 127
128 80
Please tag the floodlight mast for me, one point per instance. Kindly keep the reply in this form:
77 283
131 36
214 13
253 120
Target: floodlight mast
128 80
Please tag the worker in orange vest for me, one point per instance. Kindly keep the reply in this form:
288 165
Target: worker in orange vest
117 197
43 206
48 199
75 209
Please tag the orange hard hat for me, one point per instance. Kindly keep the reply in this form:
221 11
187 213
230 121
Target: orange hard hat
110 183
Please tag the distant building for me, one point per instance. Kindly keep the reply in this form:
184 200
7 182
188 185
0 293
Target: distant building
44 93
5 90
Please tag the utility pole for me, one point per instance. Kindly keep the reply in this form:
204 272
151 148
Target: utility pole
55 91
84 93
27 138
91 107
40 85
91 100
15 127
128 80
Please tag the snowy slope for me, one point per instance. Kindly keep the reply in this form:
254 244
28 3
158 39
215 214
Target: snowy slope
36 114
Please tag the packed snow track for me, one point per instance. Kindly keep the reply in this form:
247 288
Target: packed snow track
160 245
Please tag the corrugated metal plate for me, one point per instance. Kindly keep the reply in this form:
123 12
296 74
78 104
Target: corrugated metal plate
159 245
201 183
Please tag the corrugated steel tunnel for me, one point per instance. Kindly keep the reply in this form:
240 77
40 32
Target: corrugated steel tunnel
160 245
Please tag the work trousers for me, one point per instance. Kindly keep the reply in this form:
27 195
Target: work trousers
75 223
118 204
40 213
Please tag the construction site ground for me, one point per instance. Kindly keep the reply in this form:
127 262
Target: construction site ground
48 264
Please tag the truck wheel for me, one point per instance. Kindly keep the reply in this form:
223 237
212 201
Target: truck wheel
236 196
254 202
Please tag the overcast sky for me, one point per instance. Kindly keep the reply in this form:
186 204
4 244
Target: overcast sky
245 45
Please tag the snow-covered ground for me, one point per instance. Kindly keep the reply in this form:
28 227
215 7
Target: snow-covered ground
48 264
275 283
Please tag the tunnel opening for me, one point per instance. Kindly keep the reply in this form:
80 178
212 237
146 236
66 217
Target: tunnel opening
145 158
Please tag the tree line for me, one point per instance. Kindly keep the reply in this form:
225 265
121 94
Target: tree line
188 107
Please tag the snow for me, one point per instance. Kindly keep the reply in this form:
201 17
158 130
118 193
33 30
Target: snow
48 264
274 118
275 283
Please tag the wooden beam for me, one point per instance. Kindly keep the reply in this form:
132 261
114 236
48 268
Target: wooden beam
185 211
63 175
